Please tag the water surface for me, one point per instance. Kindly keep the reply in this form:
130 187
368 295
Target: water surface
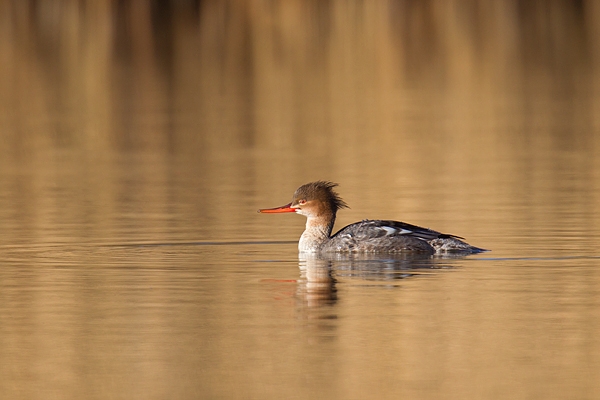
138 141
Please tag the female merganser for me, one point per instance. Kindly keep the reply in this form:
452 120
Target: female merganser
319 203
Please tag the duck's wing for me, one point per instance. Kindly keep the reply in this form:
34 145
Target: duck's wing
373 229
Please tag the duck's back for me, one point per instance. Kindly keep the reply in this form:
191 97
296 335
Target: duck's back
382 236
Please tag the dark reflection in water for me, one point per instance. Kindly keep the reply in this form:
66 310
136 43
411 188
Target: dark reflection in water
234 69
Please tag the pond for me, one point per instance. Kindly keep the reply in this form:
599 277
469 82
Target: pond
139 140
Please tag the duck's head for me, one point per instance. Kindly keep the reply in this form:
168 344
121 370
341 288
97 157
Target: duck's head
313 199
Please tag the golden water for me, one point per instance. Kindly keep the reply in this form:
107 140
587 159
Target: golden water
138 141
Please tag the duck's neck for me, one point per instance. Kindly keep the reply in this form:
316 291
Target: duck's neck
317 232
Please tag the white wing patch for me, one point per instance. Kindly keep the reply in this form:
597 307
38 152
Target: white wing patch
390 231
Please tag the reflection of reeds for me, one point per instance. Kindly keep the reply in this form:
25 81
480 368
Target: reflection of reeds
299 72
409 95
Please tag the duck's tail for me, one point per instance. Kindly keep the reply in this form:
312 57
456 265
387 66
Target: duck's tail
454 245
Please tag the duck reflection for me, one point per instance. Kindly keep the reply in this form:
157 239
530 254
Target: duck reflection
316 286
317 283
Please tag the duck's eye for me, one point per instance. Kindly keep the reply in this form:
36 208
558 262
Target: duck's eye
302 202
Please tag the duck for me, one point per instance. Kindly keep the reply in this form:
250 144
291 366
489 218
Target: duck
319 203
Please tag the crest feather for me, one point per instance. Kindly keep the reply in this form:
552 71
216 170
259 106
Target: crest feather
322 190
